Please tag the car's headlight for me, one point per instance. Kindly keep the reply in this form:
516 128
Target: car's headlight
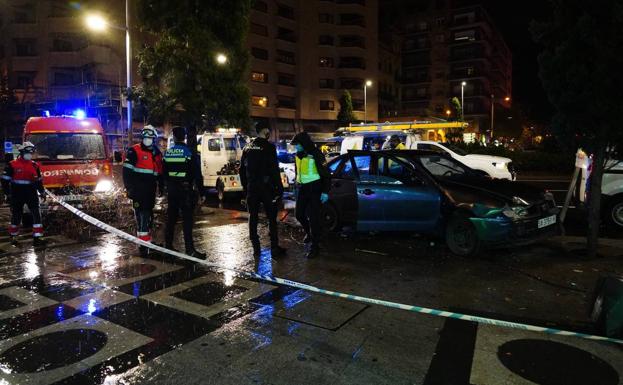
103 186
500 165
520 201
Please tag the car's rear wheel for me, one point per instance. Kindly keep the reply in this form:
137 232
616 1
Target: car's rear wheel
461 236
330 218
614 212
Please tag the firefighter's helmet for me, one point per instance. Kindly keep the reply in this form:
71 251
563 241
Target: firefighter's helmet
27 147
149 132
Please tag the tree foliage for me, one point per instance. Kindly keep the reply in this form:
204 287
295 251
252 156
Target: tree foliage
456 106
580 68
346 115
181 77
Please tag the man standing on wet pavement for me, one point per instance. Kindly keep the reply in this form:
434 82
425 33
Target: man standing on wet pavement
261 180
313 181
142 175
21 182
182 173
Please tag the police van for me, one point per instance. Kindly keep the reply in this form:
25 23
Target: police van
221 152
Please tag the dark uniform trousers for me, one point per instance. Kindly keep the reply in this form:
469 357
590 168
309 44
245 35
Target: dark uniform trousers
181 198
264 195
308 210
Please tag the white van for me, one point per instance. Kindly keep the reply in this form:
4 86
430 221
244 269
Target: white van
220 161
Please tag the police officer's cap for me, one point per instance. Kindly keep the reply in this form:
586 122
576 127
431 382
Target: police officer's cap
179 133
259 128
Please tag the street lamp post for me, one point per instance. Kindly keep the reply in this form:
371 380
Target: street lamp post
98 23
506 99
463 84
367 84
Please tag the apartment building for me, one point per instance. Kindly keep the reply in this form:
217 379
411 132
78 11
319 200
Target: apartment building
304 54
445 44
52 62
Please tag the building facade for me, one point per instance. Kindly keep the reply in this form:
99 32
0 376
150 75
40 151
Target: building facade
51 62
445 44
304 54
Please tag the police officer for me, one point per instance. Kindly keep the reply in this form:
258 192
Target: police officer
181 172
261 180
394 143
21 182
313 181
142 175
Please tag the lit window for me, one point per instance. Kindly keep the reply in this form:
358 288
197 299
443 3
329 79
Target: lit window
260 77
259 101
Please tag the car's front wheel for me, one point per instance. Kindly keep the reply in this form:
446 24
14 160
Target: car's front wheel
461 236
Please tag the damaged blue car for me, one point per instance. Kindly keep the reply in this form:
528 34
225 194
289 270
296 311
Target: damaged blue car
431 193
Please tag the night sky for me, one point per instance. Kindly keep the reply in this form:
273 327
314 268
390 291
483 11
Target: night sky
513 19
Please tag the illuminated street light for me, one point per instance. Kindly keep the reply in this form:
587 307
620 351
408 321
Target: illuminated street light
221 59
507 99
96 22
365 100
463 84
448 112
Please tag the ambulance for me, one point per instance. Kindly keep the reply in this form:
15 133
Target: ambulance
73 155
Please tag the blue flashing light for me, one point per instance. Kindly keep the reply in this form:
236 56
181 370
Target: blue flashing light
46 113
79 114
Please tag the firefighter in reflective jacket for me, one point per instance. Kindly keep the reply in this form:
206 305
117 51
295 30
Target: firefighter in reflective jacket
181 173
142 175
21 182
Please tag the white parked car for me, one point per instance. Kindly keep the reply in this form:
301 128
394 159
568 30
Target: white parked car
612 192
494 166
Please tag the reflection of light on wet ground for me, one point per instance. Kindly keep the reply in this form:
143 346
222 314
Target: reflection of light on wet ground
229 277
263 317
59 313
265 264
31 267
91 308
291 300
6 370
108 256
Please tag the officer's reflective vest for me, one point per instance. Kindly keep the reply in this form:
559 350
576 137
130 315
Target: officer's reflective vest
306 171
178 160
25 172
146 161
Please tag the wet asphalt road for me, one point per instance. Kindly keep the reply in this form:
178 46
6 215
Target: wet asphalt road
96 313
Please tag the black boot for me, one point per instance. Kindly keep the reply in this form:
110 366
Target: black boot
196 254
307 239
14 241
39 242
257 249
144 251
170 247
277 251
313 252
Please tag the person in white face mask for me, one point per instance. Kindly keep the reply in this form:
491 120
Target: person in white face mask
21 182
142 176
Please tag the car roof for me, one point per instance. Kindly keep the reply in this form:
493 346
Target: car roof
395 152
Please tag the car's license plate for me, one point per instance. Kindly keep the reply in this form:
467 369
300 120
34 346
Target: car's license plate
547 221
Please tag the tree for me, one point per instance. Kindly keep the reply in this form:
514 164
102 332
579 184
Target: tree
182 79
580 68
346 115
456 106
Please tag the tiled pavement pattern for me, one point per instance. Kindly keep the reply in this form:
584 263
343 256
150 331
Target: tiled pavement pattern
102 315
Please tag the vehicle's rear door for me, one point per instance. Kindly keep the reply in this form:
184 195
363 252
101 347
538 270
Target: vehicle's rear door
343 189
409 202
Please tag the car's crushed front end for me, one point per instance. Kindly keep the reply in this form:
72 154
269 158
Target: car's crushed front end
515 224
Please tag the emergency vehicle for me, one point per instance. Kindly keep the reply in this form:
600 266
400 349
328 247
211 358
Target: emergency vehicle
72 154
422 135
220 161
